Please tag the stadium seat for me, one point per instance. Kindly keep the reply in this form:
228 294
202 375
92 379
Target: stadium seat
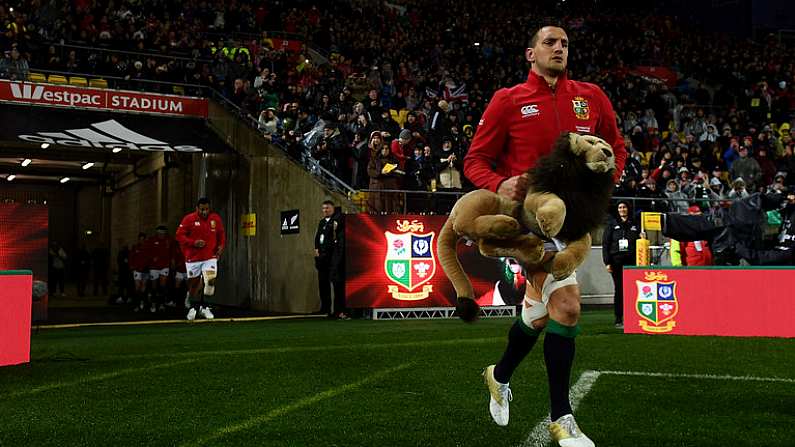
98 83
78 81
36 77
57 79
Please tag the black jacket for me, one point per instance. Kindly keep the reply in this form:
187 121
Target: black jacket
324 240
332 247
615 230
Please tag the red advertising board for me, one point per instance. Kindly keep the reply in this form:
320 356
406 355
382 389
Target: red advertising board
741 302
23 238
15 317
104 99
391 261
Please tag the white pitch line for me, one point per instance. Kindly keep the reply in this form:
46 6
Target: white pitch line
700 376
297 405
96 378
539 437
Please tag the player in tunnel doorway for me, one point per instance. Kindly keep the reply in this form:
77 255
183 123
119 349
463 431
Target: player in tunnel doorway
202 239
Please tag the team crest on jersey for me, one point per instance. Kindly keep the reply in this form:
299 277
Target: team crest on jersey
409 263
581 108
656 303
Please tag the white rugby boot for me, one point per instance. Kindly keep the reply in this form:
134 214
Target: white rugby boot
499 397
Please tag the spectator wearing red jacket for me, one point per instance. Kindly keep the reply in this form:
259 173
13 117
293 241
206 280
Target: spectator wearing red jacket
691 253
202 238
139 265
160 248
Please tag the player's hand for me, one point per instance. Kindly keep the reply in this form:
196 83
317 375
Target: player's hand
515 188
609 269
199 243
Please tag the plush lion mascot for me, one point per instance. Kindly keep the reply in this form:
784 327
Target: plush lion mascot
567 197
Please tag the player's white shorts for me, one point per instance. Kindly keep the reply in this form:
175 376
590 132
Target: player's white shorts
194 269
179 276
154 274
532 311
140 276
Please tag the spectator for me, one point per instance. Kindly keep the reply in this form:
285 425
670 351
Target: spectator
269 124
439 126
14 66
449 166
738 189
746 168
384 174
359 156
766 165
402 147
677 200
691 253
415 170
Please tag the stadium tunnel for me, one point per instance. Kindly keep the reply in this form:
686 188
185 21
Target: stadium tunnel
104 176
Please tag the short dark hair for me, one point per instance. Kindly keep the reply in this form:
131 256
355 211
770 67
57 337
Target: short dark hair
203 201
328 202
534 36
142 234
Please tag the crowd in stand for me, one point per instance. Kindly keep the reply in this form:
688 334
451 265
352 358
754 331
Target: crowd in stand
395 100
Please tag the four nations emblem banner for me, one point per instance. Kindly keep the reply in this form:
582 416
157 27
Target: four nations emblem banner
742 302
391 261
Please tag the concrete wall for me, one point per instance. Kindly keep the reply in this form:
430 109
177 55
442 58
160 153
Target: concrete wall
161 196
596 285
281 268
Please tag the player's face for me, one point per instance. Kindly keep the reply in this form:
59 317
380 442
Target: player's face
550 54
204 210
328 210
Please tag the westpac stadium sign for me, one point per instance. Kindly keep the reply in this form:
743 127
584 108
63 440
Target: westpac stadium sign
105 99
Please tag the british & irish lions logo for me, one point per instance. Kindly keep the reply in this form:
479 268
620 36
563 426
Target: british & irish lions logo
582 110
656 303
409 261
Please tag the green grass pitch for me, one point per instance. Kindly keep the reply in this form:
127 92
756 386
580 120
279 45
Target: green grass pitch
383 383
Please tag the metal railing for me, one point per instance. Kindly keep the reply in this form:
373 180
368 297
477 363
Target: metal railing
404 201
176 55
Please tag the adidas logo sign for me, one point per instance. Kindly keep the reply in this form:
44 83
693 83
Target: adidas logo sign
106 134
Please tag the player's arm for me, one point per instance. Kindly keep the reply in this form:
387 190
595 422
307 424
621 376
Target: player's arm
183 235
607 129
488 144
